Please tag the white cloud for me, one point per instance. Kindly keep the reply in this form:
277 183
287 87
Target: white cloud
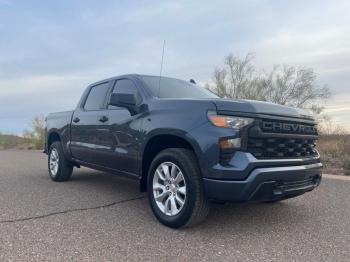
55 51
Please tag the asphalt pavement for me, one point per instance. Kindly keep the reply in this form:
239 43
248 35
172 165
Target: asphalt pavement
100 217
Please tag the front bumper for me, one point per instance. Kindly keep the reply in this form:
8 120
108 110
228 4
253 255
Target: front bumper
266 184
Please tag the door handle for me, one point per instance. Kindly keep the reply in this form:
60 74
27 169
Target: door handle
76 120
103 119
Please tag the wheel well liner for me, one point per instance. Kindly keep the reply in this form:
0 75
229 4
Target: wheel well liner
53 137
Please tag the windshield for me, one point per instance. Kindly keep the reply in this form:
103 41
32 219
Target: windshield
166 87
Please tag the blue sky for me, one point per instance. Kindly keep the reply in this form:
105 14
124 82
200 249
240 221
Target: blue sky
51 50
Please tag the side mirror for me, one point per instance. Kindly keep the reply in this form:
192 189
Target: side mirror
127 101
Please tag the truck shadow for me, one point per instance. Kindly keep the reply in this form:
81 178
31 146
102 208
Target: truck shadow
256 215
104 182
251 218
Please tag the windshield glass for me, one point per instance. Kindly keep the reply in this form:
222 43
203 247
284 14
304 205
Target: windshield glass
175 88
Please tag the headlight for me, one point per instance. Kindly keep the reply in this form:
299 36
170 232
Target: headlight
228 121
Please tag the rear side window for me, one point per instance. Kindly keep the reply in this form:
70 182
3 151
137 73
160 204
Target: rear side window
96 97
125 86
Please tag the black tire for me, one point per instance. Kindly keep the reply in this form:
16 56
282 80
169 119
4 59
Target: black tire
196 206
65 167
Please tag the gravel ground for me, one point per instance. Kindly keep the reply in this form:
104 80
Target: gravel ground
100 217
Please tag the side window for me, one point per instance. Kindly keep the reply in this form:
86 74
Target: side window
125 86
96 97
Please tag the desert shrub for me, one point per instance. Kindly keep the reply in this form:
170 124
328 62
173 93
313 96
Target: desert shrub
346 159
335 153
11 141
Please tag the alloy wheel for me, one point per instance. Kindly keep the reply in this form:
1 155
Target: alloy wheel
54 162
169 188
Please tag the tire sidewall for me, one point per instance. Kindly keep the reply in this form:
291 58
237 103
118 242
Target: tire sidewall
184 215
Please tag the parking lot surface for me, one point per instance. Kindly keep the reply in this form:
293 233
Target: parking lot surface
100 217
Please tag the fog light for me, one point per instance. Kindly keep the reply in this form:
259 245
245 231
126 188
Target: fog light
229 143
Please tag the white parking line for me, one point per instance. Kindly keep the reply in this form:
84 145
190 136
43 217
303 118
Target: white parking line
336 177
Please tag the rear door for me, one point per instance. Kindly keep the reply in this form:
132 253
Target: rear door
89 132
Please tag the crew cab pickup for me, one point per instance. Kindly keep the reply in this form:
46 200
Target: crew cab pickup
185 146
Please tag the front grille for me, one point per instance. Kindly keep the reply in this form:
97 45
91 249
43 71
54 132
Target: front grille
281 147
282 144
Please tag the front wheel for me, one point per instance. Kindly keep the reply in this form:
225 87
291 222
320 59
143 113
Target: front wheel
175 190
60 169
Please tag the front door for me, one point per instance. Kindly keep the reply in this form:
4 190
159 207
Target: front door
124 132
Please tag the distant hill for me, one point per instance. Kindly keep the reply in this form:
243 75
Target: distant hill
14 142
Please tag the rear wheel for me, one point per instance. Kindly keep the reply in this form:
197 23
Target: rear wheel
60 169
175 190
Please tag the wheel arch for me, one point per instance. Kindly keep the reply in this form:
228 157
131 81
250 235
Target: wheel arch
55 135
52 137
159 142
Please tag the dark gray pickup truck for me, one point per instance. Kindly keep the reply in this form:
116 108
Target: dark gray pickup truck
185 146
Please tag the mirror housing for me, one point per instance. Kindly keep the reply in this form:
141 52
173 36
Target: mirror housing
127 101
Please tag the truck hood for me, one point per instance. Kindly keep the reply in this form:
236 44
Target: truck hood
258 107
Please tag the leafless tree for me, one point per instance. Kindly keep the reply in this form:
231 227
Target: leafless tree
327 127
285 85
232 80
288 85
36 134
